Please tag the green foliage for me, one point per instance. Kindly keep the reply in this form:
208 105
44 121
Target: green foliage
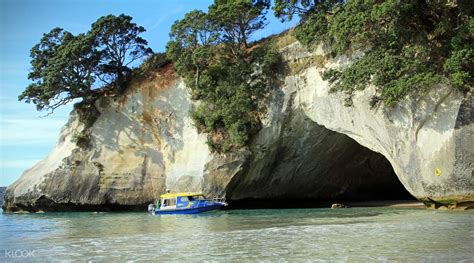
189 48
67 67
88 114
238 19
286 9
118 41
82 139
230 80
313 27
459 66
409 45
151 64
63 69
233 98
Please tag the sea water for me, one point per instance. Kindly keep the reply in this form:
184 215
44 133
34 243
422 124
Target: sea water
353 234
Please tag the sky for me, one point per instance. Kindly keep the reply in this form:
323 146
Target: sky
27 136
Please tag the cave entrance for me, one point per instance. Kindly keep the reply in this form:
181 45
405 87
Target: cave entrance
316 170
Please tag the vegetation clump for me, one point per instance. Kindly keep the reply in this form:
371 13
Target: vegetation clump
67 67
409 46
151 64
228 76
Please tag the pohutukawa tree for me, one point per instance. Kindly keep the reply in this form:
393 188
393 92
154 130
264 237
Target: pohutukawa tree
64 68
118 41
67 67
409 46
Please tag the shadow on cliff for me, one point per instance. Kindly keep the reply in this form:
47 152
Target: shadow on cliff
308 165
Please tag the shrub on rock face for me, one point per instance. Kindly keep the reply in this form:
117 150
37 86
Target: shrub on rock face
409 45
230 78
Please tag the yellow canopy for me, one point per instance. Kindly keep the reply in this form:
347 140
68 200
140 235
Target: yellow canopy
171 195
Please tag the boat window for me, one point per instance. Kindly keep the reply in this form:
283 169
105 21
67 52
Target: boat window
169 202
183 199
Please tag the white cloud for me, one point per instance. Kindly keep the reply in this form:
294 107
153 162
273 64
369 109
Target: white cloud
167 15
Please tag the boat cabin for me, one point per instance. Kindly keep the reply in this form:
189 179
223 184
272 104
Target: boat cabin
180 200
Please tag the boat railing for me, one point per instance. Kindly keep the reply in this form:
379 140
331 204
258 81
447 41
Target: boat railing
218 199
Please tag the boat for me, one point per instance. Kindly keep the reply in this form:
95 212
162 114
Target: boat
185 203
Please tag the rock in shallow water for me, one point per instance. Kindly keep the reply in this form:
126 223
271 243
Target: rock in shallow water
337 205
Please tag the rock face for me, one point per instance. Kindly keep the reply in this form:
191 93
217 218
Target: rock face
302 152
311 147
2 192
294 159
428 140
142 144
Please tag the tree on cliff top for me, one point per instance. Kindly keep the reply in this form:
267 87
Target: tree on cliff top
286 9
67 67
63 68
191 38
119 43
238 20
210 50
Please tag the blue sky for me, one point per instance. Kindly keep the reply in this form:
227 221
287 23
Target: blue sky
25 136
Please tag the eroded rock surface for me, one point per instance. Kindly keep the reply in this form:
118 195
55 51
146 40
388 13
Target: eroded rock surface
429 140
311 147
142 144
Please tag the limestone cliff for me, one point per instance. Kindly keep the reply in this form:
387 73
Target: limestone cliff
428 140
311 146
301 151
140 143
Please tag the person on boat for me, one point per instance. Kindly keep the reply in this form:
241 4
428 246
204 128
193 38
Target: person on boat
165 203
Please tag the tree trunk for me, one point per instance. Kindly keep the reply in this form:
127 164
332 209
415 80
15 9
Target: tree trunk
118 81
197 78
244 40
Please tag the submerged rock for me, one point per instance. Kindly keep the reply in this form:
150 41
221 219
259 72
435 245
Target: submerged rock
337 205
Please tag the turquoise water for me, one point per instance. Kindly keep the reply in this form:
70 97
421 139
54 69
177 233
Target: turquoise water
355 234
